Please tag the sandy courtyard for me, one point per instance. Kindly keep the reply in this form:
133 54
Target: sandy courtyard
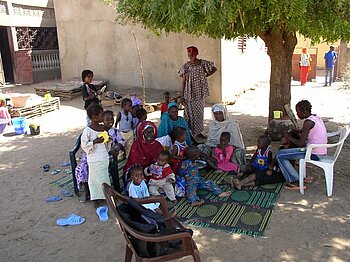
312 227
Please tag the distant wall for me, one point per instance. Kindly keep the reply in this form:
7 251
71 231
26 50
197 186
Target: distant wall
28 13
90 38
242 70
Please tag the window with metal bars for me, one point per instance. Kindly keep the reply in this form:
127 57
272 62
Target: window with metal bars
40 38
242 43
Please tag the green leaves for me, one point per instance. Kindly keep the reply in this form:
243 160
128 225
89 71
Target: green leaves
315 19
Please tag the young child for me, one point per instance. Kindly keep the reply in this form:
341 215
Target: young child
125 124
179 147
260 177
82 170
223 154
5 118
141 115
117 140
262 157
90 92
164 105
162 177
194 180
97 152
264 168
138 188
136 105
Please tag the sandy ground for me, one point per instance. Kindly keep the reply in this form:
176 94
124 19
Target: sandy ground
303 228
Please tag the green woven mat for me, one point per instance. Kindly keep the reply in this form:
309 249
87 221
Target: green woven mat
244 211
66 182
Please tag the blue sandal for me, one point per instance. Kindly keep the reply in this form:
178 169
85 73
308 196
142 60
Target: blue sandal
54 199
71 220
102 213
66 193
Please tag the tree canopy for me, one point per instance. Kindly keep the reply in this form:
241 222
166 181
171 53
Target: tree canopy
276 21
328 20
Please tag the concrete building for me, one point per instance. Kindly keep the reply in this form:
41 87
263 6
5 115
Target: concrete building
89 37
28 41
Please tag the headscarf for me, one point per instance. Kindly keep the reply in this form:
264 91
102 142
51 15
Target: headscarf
135 101
219 108
143 152
172 104
228 125
193 49
167 125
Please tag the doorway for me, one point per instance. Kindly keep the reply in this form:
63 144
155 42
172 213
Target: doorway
6 58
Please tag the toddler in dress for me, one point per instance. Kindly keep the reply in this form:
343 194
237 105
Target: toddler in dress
223 154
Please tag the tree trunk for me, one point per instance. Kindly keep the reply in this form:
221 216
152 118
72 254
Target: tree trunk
280 44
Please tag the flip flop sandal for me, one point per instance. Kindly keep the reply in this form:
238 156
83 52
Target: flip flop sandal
293 187
55 171
46 167
71 220
102 213
54 199
66 193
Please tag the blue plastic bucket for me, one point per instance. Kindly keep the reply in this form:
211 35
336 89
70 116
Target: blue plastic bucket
20 125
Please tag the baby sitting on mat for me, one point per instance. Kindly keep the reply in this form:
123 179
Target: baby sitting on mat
162 176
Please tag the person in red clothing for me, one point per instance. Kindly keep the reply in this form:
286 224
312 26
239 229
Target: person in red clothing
164 105
145 150
305 60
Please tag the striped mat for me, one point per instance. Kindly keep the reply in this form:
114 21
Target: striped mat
244 211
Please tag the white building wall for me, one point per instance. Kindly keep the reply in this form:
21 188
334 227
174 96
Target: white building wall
242 70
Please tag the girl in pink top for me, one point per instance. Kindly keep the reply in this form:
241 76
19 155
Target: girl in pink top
223 153
313 132
317 134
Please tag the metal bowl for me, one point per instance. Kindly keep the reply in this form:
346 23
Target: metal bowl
201 164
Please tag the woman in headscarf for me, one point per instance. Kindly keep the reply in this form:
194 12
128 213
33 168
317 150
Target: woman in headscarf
195 89
304 63
222 123
170 120
145 150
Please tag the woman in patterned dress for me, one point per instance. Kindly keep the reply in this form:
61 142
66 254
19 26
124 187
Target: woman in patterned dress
195 89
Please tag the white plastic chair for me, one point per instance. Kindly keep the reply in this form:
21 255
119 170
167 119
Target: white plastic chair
325 162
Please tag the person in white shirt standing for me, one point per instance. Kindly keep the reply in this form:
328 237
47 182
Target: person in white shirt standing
304 64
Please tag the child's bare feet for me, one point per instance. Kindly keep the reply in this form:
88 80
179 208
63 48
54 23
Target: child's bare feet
197 203
237 184
224 194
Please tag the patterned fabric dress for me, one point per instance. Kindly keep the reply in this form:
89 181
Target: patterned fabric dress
195 92
194 181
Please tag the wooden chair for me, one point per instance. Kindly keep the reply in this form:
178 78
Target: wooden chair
113 167
326 162
187 247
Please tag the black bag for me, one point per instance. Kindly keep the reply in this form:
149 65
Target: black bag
146 221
